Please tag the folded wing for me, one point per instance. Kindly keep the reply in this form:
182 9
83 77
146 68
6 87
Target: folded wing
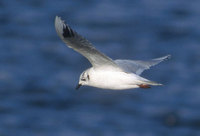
138 66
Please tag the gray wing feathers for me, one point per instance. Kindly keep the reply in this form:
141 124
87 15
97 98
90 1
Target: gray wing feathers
81 45
138 66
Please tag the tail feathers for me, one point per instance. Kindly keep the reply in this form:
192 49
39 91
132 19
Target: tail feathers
148 82
153 83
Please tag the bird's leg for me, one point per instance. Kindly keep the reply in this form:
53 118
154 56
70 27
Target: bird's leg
144 86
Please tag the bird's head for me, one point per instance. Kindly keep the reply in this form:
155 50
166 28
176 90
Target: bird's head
84 79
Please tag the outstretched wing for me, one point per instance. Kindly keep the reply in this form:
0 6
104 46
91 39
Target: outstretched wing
81 45
138 66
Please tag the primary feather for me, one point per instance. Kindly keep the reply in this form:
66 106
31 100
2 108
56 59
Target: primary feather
81 45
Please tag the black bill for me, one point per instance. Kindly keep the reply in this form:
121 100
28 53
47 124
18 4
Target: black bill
78 86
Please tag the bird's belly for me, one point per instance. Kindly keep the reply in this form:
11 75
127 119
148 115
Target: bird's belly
113 80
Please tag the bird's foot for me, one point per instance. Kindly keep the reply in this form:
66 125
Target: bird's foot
144 86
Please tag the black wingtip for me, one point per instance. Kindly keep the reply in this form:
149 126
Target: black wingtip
67 32
169 56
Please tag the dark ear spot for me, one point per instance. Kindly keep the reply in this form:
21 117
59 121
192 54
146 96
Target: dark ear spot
88 77
83 79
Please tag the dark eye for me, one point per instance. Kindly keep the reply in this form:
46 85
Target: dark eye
83 79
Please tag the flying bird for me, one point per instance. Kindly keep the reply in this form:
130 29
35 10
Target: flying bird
106 73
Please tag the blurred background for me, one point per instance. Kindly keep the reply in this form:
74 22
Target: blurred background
38 73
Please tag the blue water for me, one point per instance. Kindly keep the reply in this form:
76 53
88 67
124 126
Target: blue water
38 73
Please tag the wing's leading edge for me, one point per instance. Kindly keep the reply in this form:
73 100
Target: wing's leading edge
81 45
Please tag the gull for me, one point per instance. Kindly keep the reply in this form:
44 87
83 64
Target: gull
106 73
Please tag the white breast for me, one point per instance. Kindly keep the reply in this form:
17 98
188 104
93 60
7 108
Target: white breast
112 79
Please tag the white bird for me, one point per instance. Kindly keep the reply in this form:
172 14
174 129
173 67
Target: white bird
106 73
